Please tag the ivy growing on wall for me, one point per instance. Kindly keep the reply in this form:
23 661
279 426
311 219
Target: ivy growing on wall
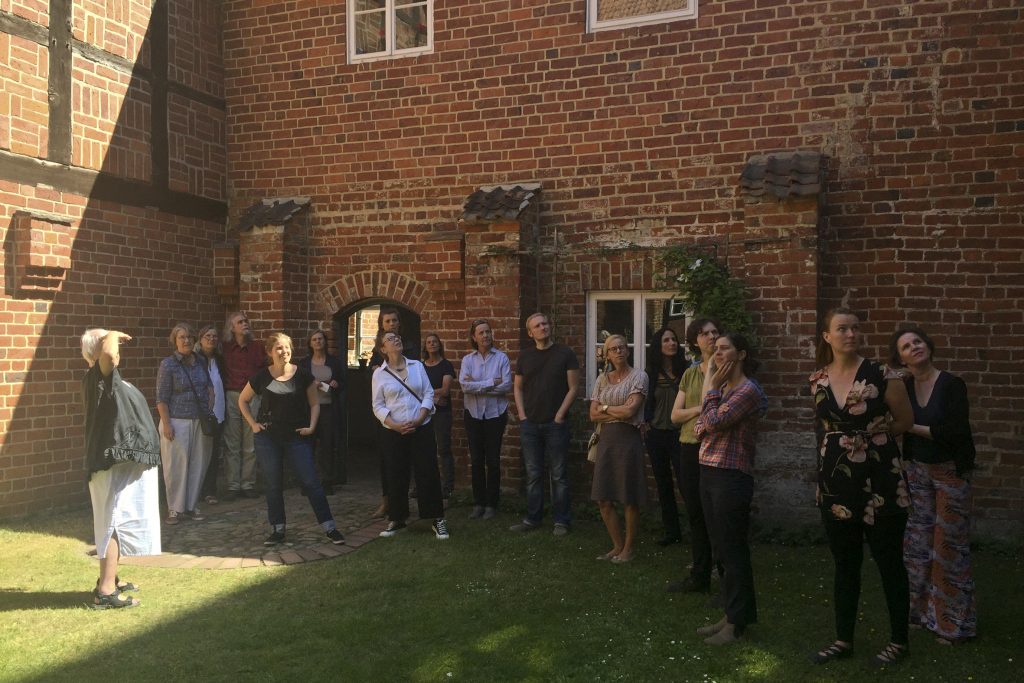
707 287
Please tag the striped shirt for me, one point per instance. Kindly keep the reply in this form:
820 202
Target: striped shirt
481 396
728 428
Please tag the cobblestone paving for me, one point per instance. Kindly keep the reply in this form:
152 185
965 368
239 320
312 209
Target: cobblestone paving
231 535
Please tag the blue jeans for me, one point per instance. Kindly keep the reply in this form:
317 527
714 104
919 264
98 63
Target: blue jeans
271 452
546 441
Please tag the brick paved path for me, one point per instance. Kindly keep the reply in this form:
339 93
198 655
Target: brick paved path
231 536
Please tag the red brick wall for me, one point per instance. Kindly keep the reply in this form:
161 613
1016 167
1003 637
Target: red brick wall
640 134
134 269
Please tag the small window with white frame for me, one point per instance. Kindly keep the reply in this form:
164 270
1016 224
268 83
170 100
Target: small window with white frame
382 29
634 315
603 15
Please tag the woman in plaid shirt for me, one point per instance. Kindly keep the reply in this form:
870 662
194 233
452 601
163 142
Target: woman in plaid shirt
731 408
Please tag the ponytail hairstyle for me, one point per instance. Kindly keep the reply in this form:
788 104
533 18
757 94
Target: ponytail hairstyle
823 353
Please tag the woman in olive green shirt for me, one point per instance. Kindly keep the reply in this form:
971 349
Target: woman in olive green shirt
700 337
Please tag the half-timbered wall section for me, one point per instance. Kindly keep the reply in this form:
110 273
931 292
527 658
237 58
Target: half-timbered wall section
112 194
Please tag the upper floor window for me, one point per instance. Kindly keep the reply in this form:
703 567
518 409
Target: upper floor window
611 14
378 29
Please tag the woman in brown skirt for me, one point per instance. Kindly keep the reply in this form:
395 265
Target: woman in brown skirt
619 475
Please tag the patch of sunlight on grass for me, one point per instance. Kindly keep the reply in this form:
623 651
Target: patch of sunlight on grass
493 641
759 663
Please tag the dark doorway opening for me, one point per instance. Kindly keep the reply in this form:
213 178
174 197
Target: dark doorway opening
355 327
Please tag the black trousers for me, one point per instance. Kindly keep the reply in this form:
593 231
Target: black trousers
484 438
417 451
885 538
327 447
726 496
663 450
209 487
700 539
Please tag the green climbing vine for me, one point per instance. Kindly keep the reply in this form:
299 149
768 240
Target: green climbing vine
707 287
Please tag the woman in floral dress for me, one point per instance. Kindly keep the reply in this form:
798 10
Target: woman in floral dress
860 406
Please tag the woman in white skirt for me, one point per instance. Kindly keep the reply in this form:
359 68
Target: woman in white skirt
122 452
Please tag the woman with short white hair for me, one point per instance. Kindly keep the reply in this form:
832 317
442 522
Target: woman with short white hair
121 452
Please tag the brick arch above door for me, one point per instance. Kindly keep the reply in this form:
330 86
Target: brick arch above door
373 284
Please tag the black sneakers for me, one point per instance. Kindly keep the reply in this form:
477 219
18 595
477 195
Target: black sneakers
274 538
337 538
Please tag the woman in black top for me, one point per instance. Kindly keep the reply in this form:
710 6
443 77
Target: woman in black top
665 366
442 374
939 451
329 374
289 411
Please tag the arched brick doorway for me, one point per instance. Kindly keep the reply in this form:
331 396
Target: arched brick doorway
352 324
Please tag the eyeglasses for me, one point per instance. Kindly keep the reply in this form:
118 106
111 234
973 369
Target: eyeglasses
618 349
392 338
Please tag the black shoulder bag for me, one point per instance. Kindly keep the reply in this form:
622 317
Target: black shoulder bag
207 420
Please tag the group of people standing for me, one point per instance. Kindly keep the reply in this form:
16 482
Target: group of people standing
411 399
696 420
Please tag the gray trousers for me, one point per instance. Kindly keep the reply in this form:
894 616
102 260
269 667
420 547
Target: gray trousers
184 462
239 453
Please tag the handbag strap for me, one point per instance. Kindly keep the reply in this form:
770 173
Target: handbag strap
195 393
388 370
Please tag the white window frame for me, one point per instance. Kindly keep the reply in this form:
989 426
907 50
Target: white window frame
389 28
594 25
639 298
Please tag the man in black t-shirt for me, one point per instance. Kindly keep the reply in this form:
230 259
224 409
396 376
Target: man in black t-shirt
545 383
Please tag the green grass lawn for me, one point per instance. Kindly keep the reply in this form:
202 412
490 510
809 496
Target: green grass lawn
486 606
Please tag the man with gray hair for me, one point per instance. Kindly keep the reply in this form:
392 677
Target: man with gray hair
122 451
243 358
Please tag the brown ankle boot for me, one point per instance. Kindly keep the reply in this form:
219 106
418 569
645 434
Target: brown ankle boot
725 636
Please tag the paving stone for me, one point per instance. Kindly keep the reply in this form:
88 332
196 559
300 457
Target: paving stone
291 557
231 536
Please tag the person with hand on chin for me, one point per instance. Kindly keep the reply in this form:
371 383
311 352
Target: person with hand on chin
403 401
731 408
701 335
939 452
288 415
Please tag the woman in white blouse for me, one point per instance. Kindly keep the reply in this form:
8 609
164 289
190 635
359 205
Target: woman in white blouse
403 401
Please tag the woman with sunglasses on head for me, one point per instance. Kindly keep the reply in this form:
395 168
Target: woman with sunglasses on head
403 401
701 334
486 381
860 406
939 453
208 351
619 474
732 405
330 382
